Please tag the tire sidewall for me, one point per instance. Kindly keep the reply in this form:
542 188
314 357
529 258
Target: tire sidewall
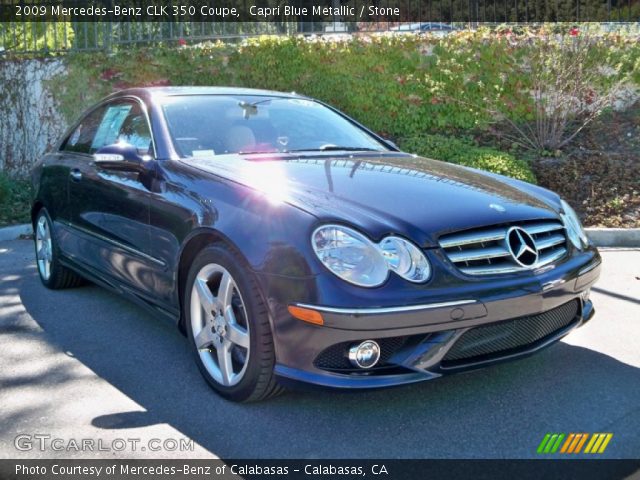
258 327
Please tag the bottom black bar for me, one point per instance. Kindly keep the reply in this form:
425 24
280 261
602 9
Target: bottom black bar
320 469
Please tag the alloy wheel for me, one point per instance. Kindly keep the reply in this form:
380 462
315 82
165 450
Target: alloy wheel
44 247
220 325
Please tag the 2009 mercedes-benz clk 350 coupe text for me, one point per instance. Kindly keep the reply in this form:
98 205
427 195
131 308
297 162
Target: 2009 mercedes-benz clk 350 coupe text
292 244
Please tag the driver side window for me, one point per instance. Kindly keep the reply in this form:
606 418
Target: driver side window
135 131
124 122
121 121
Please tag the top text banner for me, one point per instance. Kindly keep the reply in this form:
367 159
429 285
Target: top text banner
342 11
209 10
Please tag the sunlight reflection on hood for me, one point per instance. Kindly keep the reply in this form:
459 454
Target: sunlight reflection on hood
269 178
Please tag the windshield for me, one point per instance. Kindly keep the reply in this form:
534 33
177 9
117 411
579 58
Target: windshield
206 125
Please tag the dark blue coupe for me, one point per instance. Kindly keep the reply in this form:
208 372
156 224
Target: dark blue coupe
290 243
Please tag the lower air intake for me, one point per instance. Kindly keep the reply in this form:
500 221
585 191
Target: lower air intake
510 336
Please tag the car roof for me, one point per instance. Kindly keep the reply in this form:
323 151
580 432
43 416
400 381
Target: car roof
155 92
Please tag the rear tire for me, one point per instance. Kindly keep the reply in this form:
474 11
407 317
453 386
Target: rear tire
228 326
52 273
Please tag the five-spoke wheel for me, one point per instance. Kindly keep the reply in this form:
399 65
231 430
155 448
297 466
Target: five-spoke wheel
219 324
227 322
44 247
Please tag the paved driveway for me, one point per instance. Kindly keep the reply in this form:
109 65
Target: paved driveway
85 364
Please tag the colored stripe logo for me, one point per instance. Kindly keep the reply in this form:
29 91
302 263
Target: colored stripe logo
574 443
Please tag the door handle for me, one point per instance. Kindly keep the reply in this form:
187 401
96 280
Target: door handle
76 175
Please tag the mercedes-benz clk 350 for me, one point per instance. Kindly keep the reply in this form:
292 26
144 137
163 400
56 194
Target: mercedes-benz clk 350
292 244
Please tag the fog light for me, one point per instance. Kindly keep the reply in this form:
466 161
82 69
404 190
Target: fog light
365 354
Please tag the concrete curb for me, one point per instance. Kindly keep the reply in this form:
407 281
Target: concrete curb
614 237
14 232
602 237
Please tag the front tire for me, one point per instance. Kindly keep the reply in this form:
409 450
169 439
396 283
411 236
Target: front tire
228 326
52 273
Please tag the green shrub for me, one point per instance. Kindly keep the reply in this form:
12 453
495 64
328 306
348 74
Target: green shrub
15 200
407 86
461 152
397 85
5 187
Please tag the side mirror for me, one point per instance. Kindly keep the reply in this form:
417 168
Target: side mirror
120 156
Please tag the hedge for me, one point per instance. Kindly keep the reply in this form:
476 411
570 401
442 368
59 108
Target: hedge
461 152
15 200
403 87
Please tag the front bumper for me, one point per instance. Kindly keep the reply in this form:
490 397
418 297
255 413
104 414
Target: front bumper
430 330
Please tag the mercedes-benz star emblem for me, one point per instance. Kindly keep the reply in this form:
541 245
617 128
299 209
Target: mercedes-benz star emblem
522 247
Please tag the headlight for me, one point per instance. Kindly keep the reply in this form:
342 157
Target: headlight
573 226
356 259
405 259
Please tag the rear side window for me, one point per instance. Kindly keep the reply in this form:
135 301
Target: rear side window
112 123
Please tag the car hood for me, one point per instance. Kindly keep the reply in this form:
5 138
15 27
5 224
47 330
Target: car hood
413 196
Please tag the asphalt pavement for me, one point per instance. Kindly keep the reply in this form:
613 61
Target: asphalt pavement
86 365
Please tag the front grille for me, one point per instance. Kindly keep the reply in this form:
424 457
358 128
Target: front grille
499 339
336 357
484 251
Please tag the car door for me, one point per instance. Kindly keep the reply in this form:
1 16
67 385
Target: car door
73 153
110 208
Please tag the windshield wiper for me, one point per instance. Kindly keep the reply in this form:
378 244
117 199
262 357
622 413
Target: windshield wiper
332 148
257 152
324 148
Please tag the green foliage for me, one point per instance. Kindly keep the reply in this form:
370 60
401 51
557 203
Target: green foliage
36 36
462 152
5 187
552 84
15 200
403 86
398 85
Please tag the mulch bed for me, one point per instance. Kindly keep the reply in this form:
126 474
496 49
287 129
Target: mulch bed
599 175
